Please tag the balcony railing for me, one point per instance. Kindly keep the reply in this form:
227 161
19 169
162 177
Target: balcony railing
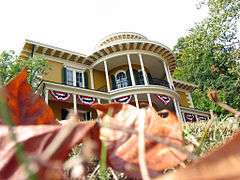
154 81
161 82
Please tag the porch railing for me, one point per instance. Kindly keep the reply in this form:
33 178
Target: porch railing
157 81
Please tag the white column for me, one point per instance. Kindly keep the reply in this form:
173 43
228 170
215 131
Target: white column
178 111
190 99
99 101
149 100
143 70
74 103
91 78
169 77
106 75
83 80
136 100
74 78
131 70
46 96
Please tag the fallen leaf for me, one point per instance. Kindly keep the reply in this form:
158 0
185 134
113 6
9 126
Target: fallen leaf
123 147
36 139
25 107
221 163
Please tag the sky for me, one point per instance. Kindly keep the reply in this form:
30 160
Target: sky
78 25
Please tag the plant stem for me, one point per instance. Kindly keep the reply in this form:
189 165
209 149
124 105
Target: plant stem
103 161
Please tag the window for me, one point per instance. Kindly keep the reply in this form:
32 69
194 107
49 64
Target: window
74 77
79 80
69 77
140 76
121 79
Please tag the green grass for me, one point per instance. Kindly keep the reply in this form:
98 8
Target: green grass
206 139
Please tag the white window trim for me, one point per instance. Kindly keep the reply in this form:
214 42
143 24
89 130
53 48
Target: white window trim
119 71
74 75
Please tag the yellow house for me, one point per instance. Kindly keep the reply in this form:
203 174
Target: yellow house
126 68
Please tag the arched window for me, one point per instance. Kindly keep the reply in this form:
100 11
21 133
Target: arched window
121 79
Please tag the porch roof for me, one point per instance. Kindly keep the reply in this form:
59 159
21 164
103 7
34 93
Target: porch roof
184 85
142 45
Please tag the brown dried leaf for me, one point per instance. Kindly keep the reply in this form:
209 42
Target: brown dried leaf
213 96
26 108
221 163
35 139
123 147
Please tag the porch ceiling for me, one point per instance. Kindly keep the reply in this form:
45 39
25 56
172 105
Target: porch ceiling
151 63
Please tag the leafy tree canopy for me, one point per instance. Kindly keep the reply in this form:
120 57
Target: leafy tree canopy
10 65
208 55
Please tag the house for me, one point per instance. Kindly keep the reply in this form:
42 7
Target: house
125 67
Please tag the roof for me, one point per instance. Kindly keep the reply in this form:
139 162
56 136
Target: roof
184 85
114 43
45 49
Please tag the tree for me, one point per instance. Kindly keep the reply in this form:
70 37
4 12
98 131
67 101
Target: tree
207 55
10 65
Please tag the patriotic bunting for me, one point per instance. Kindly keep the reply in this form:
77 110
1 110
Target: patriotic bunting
164 99
190 117
124 99
194 117
86 100
60 95
202 118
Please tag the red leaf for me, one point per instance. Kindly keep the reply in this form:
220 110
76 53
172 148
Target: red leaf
123 147
25 107
35 140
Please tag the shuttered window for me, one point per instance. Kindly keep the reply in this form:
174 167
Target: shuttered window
74 77
79 79
69 77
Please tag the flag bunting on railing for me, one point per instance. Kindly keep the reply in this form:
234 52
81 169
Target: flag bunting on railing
190 117
202 118
58 95
124 99
86 100
164 99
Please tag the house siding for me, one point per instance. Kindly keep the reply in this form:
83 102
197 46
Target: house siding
54 73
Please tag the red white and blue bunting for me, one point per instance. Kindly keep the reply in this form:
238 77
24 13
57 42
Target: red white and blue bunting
202 118
86 100
164 99
63 96
124 99
189 117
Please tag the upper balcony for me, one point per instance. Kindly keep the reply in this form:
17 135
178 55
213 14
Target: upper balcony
131 69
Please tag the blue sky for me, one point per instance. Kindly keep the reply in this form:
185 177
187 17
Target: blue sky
78 25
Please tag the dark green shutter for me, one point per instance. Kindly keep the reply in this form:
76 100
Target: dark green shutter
113 82
64 76
136 76
86 79
129 78
149 78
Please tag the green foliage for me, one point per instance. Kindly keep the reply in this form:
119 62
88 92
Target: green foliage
10 65
206 55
